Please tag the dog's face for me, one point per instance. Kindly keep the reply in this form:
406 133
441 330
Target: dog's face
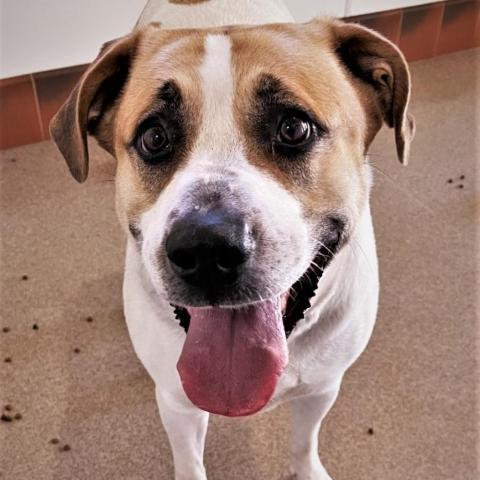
240 151
238 130
261 128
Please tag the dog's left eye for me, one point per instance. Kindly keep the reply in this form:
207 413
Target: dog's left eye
294 130
153 143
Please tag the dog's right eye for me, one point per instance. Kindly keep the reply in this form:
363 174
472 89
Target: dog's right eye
153 143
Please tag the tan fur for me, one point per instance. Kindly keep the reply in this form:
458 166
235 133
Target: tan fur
185 50
309 76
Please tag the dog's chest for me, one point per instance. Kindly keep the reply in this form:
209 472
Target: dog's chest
306 374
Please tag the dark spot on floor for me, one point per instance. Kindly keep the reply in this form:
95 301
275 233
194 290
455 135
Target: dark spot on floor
6 329
89 319
76 350
18 416
370 431
457 182
65 448
54 441
35 326
24 277
13 160
6 418
7 407
8 360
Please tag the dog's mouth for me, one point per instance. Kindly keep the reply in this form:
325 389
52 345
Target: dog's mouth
293 303
233 357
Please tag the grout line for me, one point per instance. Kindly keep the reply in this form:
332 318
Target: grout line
144 9
400 28
476 32
437 37
348 7
37 106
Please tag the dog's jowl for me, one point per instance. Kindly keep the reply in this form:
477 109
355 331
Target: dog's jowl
243 188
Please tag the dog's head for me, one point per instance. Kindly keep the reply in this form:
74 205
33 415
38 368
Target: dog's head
240 151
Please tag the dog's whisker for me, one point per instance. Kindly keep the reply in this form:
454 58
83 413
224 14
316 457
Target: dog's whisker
293 294
354 245
321 245
318 267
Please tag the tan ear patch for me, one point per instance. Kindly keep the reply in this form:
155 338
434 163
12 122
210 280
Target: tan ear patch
82 112
382 77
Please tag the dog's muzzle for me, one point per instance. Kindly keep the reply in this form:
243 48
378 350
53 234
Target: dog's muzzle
233 355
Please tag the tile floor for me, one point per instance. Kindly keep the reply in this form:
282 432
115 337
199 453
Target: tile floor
415 386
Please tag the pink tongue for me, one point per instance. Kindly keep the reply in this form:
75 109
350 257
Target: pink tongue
232 359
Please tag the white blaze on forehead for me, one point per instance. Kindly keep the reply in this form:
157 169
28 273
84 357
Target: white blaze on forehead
217 130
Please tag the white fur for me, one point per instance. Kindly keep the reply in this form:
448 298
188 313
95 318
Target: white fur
322 346
217 135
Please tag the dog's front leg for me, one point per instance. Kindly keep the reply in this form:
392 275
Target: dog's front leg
186 427
307 415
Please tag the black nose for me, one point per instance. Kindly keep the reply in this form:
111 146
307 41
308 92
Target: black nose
208 249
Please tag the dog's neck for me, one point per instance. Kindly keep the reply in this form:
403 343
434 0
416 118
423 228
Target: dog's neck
213 13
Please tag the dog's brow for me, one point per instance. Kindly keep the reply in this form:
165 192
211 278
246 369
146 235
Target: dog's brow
169 93
168 97
271 91
168 101
268 86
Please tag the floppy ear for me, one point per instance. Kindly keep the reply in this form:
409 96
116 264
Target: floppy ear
91 106
382 74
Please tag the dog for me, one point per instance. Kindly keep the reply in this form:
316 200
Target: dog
242 186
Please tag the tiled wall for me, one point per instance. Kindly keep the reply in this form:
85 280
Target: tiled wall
27 103
429 30
364 7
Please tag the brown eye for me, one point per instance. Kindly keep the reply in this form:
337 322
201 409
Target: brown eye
153 143
154 140
294 131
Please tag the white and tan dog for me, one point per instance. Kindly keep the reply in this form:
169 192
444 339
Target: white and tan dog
243 187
